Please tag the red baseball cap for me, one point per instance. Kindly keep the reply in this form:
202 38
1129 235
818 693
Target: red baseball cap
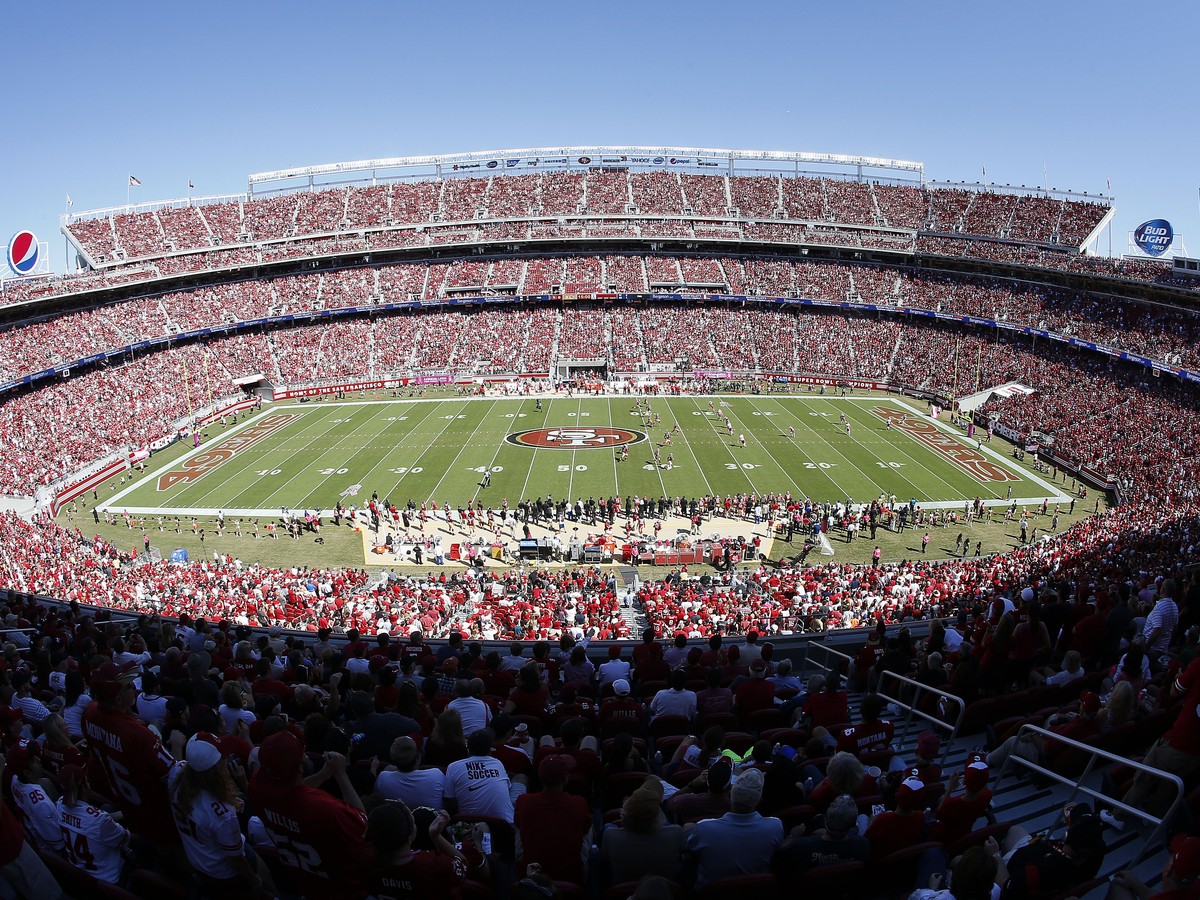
110 679
281 756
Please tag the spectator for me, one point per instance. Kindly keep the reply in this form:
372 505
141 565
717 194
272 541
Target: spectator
320 839
1032 869
554 827
642 843
676 700
404 781
37 810
1179 875
837 840
447 743
741 842
206 800
133 759
473 712
755 693
479 785
400 870
890 831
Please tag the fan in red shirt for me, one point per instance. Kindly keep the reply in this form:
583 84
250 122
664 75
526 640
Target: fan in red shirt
555 826
128 756
957 815
755 693
402 872
872 733
320 839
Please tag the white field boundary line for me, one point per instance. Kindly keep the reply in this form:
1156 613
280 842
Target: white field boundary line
1055 495
825 440
154 474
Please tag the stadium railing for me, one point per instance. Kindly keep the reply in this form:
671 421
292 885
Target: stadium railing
1078 784
914 710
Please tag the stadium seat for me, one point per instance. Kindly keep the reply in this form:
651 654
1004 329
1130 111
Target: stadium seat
838 881
739 887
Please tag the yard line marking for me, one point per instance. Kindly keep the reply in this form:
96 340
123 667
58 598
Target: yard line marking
499 447
466 443
691 452
720 440
870 478
301 470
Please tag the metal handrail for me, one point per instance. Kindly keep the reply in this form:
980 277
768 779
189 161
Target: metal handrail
1078 786
913 711
829 651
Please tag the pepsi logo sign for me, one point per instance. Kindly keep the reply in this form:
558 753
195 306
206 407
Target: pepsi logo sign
23 252
576 437
1154 237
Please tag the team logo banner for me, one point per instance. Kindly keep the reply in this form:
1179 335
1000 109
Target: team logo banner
1154 237
573 437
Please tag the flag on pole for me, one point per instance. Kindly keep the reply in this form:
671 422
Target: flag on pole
70 202
134 182
190 185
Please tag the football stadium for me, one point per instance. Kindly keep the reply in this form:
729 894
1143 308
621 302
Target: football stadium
798 522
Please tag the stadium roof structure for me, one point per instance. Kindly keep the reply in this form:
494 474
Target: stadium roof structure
584 157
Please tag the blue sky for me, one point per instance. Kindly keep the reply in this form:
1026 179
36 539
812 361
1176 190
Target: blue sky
170 92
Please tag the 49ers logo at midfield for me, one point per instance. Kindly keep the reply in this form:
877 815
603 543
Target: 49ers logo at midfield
576 437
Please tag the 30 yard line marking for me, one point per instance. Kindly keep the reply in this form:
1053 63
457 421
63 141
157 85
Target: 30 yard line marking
720 440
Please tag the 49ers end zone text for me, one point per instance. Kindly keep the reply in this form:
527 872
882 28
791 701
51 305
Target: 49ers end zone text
201 464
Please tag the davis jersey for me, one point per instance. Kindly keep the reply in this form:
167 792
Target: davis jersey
93 840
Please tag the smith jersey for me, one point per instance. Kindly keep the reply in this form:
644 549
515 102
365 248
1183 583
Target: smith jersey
93 840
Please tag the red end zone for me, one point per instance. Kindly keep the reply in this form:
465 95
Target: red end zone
201 464
945 445
574 437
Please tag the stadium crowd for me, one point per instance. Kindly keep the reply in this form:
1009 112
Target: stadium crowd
345 762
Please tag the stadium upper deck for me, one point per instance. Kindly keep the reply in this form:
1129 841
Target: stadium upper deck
526 199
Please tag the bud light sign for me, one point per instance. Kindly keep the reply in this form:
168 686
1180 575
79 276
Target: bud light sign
1154 237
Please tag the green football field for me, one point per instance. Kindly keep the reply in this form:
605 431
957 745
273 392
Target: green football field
311 456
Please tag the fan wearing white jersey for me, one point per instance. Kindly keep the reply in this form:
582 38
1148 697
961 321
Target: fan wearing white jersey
34 808
205 801
95 841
